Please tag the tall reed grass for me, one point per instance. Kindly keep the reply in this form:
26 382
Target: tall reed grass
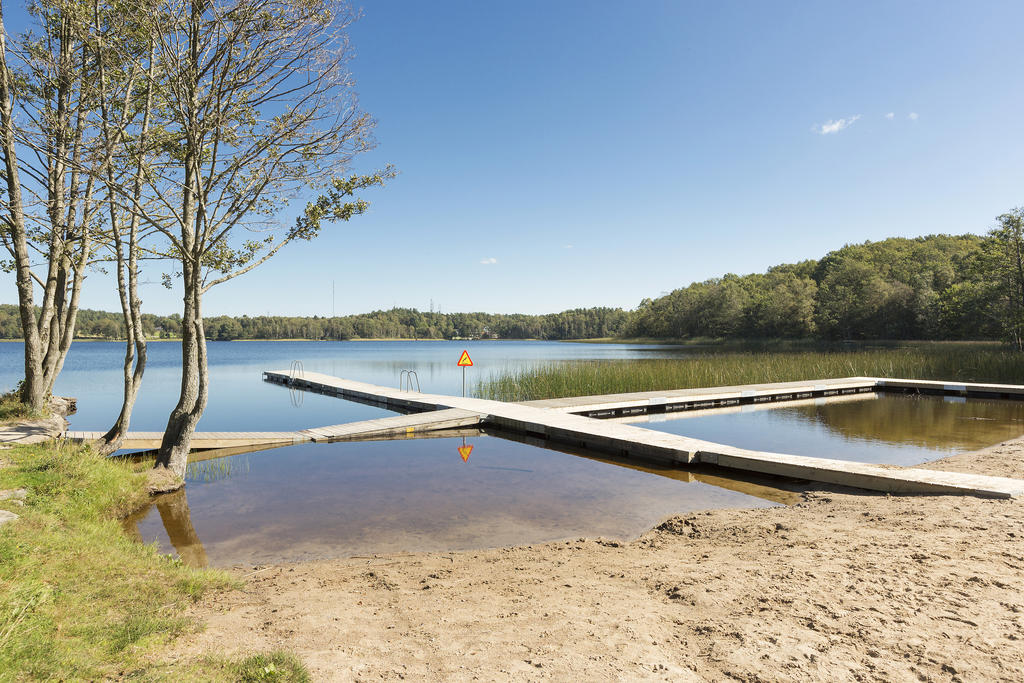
959 362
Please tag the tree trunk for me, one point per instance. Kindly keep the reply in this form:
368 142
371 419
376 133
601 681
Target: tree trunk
192 400
33 390
134 367
127 284
135 349
47 336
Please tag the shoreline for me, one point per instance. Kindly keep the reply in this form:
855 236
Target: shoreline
636 341
844 584
299 339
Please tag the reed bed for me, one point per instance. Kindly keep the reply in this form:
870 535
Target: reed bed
959 362
208 471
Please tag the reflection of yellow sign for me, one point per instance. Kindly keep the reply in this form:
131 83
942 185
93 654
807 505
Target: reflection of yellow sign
464 360
464 451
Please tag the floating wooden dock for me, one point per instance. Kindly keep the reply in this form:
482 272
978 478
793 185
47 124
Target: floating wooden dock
571 422
568 421
400 426
201 440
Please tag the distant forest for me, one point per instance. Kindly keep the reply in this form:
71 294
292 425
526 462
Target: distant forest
934 287
397 323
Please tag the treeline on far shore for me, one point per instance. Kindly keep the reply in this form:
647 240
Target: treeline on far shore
927 288
397 323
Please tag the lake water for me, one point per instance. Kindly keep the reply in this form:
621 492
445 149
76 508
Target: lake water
343 499
241 401
895 429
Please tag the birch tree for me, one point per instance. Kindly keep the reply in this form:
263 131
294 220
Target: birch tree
256 108
50 163
123 49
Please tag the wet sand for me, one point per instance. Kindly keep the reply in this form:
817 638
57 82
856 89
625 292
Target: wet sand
844 585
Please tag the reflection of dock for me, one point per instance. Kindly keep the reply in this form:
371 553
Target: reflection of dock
761 486
556 421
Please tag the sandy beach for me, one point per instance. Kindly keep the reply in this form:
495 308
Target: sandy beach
845 585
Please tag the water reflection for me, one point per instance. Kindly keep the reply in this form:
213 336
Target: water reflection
894 429
346 499
177 525
766 487
465 450
411 494
933 422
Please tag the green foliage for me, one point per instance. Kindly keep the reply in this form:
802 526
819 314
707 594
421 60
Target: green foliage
270 668
397 323
339 202
934 287
1004 263
965 362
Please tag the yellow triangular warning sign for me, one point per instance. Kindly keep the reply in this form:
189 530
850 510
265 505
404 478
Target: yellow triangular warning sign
464 451
464 360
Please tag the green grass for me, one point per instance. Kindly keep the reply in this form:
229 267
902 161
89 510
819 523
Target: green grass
81 600
276 666
951 361
11 408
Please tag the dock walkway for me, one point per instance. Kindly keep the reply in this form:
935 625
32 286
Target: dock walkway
571 421
557 421
366 430
201 440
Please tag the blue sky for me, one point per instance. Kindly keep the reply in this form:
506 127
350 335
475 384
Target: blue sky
570 154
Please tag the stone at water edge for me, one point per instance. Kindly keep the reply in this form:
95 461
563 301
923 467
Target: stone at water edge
6 516
63 405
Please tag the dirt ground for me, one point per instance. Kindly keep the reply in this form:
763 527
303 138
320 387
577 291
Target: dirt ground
842 586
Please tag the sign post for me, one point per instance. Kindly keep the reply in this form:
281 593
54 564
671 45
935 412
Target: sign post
464 362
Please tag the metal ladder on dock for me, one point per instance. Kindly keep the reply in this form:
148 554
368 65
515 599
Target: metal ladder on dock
405 378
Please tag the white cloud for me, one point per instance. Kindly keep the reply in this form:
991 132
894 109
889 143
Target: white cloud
912 116
891 115
835 126
568 246
488 261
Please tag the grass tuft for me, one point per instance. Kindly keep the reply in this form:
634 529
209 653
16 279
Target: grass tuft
270 668
12 408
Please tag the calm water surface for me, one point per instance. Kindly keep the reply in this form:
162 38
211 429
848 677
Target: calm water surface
895 429
343 499
241 401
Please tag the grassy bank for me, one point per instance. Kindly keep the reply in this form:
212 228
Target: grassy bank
80 600
11 408
963 362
